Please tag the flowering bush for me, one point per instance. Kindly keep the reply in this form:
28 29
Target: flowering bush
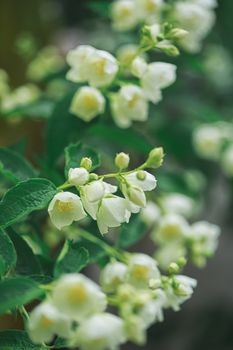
81 203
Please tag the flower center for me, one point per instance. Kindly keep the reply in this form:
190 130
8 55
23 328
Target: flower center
140 272
46 321
171 231
150 5
90 102
100 66
133 102
64 206
77 294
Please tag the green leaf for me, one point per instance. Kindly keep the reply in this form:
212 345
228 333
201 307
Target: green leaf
18 291
17 340
23 198
7 252
127 139
75 152
71 259
27 262
14 166
62 127
41 108
131 233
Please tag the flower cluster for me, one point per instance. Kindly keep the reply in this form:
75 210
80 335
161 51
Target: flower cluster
99 69
96 196
75 307
195 16
173 234
215 142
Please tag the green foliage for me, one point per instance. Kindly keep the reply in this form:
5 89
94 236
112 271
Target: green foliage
14 166
41 108
23 198
7 253
27 262
131 233
75 152
17 340
18 291
71 259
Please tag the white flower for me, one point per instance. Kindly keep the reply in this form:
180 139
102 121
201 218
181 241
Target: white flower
157 76
197 20
182 292
78 59
92 193
25 94
154 30
113 275
112 212
78 297
65 208
126 54
178 203
129 105
100 332
210 4
137 182
45 322
208 141
152 311
168 253
78 176
149 10
124 15
227 161
206 236
87 103
150 214
138 67
141 269
172 227
103 68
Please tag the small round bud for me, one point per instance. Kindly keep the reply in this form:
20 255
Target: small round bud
122 160
181 291
173 268
168 48
86 163
155 283
78 176
181 262
137 196
141 175
93 177
155 158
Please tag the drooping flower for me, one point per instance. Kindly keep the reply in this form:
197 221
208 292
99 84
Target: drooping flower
65 208
100 332
78 297
113 275
45 322
87 103
78 176
178 203
124 15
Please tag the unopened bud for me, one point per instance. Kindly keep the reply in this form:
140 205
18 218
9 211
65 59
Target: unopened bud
168 48
155 158
122 160
137 196
78 176
181 291
178 33
86 163
93 177
173 268
154 283
181 262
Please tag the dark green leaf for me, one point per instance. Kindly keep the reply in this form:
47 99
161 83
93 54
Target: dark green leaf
18 291
14 166
131 233
71 259
7 251
17 340
75 152
23 198
27 262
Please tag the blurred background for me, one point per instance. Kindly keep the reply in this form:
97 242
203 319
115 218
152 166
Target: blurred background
202 94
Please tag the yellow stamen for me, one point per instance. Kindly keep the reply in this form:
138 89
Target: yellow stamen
64 206
140 272
77 294
46 322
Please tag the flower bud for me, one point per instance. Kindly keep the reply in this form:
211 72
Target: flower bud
181 262
168 48
155 159
173 268
122 160
178 33
137 196
86 163
93 177
78 176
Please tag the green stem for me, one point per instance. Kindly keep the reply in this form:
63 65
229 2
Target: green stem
108 249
